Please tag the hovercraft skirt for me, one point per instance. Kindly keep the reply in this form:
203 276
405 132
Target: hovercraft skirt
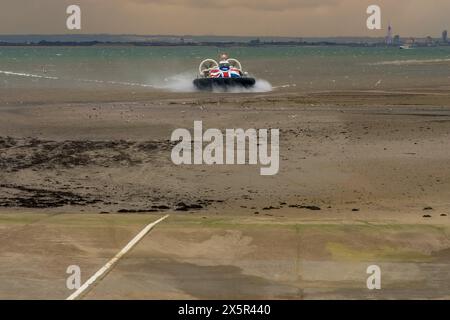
223 83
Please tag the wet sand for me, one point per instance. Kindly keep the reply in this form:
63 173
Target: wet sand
363 178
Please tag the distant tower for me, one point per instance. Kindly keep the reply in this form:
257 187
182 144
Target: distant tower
389 39
445 36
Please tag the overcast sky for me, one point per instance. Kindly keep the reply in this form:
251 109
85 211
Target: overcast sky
226 17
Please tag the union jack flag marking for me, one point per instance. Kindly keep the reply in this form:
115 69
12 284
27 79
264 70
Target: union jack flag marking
232 73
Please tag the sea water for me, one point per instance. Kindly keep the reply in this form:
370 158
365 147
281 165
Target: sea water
291 68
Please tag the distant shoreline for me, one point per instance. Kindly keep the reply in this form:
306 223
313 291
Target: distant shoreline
88 40
206 44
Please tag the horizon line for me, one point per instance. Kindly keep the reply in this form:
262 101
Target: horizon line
192 35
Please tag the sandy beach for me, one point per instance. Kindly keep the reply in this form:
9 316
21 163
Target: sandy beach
225 158
363 179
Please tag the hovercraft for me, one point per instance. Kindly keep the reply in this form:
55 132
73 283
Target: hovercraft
225 75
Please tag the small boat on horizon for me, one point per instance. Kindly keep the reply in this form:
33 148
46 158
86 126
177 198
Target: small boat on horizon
408 44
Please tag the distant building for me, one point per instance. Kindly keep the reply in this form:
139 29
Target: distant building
397 40
389 40
429 41
445 36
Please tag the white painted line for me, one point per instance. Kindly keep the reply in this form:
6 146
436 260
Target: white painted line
108 266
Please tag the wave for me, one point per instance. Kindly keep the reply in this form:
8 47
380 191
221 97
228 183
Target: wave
28 75
409 62
31 75
177 83
133 84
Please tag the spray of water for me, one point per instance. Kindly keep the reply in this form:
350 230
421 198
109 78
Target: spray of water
183 82
261 85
